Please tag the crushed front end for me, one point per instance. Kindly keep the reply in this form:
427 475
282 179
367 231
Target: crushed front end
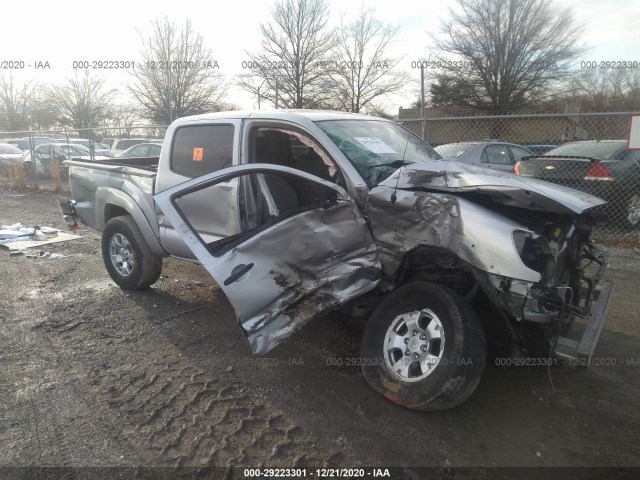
568 305
525 244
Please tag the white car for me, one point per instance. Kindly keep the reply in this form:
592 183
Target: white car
10 156
50 156
141 150
98 148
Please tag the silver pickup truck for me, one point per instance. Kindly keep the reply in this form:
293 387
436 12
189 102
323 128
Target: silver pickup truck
296 213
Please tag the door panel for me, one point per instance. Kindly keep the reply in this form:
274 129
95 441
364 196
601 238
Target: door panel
212 209
296 257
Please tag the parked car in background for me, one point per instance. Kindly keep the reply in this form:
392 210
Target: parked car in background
121 144
24 144
49 157
539 149
497 155
98 148
141 150
604 168
107 141
10 157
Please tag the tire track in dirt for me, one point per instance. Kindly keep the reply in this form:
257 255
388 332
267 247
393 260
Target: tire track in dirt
158 402
192 419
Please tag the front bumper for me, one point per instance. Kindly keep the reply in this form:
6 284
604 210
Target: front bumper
583 348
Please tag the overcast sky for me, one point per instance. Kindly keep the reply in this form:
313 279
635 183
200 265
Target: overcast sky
64 31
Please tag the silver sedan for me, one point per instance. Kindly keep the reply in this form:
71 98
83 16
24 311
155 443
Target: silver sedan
498 155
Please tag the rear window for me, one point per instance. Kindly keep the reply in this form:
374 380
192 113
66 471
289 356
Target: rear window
453 150
9 149
124 144
601 151
198 150
22 144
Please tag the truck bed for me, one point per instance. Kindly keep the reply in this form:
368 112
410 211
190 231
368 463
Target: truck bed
148 164
98 186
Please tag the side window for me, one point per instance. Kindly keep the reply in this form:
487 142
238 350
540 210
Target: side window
264 199
277 196
497 154
139 151
154 150
292 149
198 150
518 153
42 153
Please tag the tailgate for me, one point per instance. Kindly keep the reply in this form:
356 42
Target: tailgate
553 169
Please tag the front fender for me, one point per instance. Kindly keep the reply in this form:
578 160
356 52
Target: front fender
475 234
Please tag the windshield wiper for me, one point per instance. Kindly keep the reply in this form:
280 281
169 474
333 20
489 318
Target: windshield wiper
394 164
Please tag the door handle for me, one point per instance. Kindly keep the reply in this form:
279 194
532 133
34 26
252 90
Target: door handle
237 272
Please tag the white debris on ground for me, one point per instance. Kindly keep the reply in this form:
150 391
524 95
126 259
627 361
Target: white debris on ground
19 237
10 233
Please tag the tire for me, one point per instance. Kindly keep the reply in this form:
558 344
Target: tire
450 373
129 260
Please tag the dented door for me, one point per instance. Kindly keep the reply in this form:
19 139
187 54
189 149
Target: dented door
304 248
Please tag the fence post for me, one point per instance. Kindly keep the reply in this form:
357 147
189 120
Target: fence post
34 170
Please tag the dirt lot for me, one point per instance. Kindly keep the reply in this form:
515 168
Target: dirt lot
94 376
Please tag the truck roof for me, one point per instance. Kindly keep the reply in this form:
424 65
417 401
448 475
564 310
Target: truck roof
293 115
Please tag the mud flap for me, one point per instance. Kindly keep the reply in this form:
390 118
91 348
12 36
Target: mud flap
69 214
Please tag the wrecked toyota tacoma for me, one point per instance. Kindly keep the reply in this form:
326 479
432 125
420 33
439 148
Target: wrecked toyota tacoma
297 213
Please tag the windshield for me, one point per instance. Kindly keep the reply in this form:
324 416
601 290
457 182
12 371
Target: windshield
6 149
454 150
373 145
81 149
599 150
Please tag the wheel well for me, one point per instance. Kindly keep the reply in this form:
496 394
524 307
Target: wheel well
435 264
111 211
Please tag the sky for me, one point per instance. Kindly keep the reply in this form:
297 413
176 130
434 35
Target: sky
62 32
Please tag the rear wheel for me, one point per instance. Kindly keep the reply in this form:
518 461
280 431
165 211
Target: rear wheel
127 257
423 348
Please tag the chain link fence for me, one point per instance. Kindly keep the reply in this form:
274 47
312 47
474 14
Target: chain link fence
587 152
35 158
592 154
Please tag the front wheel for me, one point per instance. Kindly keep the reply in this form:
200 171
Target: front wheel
428 347
129 260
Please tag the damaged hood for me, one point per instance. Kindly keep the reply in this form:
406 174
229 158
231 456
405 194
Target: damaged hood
504 188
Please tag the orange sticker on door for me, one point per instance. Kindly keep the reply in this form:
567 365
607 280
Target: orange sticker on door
198 152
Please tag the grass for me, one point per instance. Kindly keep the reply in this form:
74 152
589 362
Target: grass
17 179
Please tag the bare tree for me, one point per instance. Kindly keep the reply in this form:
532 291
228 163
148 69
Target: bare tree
600 90
504 54
362 70
294 56
43 111
83 101
15 101
178 75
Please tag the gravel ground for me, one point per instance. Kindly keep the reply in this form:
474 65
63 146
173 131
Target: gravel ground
94 376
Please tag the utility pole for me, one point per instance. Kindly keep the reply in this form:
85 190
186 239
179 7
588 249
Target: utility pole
423 65
422 98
